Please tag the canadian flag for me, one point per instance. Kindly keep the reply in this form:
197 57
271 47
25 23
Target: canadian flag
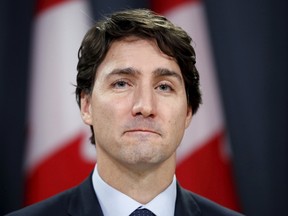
58 154
204 159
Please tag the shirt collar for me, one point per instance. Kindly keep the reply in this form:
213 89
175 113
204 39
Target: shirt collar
113 202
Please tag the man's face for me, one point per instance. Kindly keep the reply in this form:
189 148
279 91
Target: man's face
138 106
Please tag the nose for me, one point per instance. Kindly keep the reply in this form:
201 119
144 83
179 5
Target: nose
144 102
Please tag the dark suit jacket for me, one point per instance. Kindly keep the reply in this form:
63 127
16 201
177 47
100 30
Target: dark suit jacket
82 201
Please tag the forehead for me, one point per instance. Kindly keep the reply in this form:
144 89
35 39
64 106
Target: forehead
141 54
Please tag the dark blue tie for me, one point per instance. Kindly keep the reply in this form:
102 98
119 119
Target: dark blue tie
142 212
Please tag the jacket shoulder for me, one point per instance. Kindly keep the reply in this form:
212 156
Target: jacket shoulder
80 200
56 205
206 206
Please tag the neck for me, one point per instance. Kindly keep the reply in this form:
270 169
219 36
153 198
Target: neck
140 182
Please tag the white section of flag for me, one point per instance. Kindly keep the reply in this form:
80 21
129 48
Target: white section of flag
209 119
54 117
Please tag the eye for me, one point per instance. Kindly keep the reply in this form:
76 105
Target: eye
120 84
165 87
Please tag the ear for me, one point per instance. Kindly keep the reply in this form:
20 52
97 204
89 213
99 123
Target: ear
188 116
85 108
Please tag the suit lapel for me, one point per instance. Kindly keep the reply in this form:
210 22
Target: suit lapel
84 200
185 203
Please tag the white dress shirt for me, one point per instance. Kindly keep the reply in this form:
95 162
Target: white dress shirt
115 203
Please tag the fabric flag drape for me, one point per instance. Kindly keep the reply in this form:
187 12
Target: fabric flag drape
204 159
58 154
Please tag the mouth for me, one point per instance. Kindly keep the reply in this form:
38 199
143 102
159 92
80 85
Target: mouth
142 131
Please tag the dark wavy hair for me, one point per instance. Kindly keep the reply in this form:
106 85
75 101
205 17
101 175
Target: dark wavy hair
145 24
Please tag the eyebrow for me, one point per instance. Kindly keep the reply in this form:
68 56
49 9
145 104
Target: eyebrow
159 72
123 71
162 72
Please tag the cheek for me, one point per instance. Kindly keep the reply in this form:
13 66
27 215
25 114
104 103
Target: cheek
103 123
102 112
108 112
178 118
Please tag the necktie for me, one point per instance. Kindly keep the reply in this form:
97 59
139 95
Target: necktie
142 212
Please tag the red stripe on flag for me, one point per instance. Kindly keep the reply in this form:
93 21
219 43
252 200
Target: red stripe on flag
42 5
54 174
208 172
163 6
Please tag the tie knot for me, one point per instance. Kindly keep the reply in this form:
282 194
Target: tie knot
142 212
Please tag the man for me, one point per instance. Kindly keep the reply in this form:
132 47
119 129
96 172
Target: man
137 88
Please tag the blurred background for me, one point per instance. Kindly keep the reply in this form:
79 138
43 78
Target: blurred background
236 151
